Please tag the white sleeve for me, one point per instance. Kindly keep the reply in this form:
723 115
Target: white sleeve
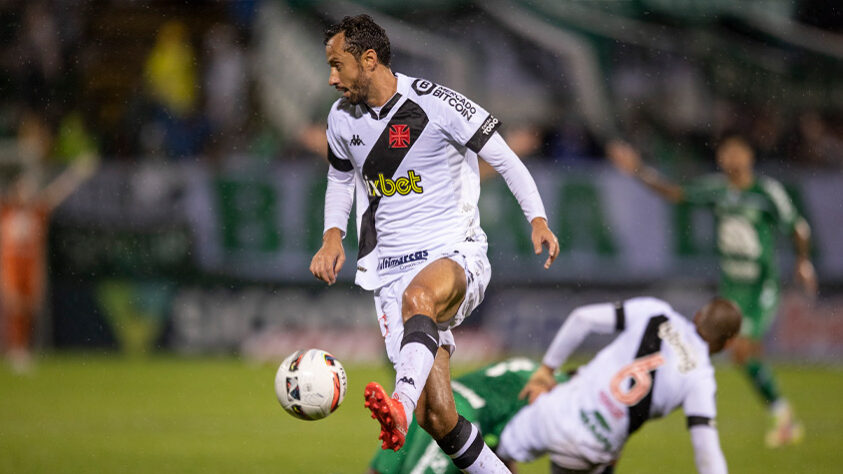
700 409
643 308
700 401
339 195
708 456
600 318
470 125
498 154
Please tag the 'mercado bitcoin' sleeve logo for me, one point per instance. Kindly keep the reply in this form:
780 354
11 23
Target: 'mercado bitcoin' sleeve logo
383 186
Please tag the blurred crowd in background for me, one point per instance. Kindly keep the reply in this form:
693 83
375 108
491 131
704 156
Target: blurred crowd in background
146 80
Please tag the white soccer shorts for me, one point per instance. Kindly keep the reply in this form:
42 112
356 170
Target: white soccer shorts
471 256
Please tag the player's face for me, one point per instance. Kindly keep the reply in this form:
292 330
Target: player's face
734 157
347 74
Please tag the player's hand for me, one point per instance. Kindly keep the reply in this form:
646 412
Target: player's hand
327 262
806 276
540 382
542 236
625 158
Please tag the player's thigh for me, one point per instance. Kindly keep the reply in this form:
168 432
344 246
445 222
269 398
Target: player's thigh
437 290
436 411
746 297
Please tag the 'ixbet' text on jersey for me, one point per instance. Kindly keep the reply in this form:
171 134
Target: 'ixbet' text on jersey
383 186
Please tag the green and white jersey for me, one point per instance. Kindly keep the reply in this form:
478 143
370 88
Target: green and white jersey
747 222
487 397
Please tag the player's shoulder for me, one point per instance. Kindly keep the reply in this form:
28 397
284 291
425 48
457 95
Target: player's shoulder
776 192
343 112
771 186
438 99
646 306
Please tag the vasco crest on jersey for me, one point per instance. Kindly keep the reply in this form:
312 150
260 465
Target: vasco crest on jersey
399 135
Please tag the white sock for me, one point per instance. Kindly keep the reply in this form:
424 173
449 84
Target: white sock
779 407
487 462
415 359
465 445
411 374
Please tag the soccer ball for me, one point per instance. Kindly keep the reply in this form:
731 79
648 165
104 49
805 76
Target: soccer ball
310 384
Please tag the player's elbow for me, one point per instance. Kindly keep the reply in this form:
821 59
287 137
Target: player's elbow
578 316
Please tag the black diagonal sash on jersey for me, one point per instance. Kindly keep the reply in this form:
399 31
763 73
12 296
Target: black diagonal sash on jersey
385 160
650 344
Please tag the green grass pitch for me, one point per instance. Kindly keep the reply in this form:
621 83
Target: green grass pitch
81 414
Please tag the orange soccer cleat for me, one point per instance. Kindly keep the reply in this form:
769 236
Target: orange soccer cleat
390 414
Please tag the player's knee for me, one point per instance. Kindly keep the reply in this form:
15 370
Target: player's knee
418 299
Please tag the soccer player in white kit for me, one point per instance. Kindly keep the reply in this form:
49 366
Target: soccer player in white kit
658 362
407 148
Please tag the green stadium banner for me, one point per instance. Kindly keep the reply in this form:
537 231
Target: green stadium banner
265 224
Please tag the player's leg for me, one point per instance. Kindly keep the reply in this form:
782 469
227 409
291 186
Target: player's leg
746 349
433 295
431 298
459 439
17 311
759 303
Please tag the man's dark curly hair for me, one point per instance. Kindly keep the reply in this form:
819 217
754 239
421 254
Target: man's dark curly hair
361 34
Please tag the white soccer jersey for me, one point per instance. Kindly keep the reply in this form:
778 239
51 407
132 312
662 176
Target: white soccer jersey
656 364
413 164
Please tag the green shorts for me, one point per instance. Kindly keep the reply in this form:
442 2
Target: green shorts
758 301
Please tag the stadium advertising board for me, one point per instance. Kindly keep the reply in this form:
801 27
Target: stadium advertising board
201 261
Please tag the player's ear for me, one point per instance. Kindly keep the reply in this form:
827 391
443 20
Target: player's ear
369 59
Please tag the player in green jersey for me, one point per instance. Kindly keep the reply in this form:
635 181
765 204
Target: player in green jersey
488 397
749 211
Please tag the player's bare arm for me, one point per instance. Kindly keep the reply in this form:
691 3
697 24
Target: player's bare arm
328 261
628 161
805 274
